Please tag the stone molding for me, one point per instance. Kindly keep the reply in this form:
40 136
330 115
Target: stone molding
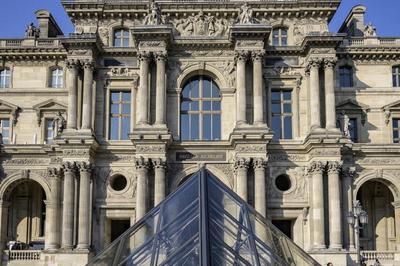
317 167
257 55
241 55
259 164
334 167
85 167
54 172
159 163
69 167
142 163
241 163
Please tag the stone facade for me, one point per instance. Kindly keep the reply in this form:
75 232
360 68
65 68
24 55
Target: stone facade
94 185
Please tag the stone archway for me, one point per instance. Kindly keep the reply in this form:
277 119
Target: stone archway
377 197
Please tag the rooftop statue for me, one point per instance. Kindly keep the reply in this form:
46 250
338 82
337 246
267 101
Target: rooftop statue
370 30
32 31
246 15
154 17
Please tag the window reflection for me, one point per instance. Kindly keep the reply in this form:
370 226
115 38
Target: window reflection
120 115
346 76
281 114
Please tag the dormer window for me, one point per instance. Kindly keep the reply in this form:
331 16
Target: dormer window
279 37
57 78
346 76
121 38
396 76
5 78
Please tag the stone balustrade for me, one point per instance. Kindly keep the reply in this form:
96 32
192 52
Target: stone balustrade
371 255
30 42
23 254
371 41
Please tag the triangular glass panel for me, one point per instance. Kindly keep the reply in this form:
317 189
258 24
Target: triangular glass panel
203 223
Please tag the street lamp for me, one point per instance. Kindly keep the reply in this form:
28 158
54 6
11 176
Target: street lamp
355 218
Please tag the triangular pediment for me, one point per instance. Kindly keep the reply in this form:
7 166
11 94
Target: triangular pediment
6 106
50 105
392 106
351 104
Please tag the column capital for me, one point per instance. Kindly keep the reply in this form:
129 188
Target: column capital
259 163
72 64
69 167
257 55
159 163
54 172
314 62
161 56
316 167
242 163
241 55
88 64
144 56
334 167
349 172
85 167
142 163
330 63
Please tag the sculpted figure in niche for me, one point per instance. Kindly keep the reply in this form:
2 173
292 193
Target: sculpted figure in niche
343 122
370 30
58 124
154 17
32 31
104 35
246 15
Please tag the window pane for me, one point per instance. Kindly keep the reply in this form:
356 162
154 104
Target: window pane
6 133
276 127
125 43
287 95
207 89
115 96
207 127
215 91
287 108
395 123
185 127
216 127
284 41
195 89
125 127
194 123
194 106
216 105
126 96
126 109
114 109
186 91
395 134
185 106
207 106
276 96
287 127
5 123
276 108
114 128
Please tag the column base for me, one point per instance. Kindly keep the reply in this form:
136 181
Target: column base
319 247
53 247
335 247
68 247
83 247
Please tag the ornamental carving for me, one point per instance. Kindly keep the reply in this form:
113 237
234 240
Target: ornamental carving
259 163
242 163
104 35
154 16
150 148
84 167
316 167
25 161
201 25
142 163
287 157
246 15
69 166
325 152
159 163
75 152
227 169
120 72
334 167
305 27
282 71
252 148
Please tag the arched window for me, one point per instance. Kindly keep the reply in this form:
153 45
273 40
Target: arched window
279 37
121 38
5 77
57 78
396 76
200 110
346 76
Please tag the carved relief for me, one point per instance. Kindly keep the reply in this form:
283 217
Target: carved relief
282 71
201 25
246 15
120 72
154 16
305 27
104 35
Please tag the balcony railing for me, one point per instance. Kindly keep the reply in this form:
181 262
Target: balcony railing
371 41
24 254
380 255
29 42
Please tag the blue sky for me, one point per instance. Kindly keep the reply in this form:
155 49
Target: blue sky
16 14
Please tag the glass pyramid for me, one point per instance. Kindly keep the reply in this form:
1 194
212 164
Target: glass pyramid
203 223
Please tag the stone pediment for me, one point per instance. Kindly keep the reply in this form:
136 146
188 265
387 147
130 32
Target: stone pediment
48 106
351 104
10 109
392 106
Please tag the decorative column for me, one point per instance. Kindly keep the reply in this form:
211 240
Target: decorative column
161 58
159 180
330 106
258 101
318 217
135 84
335 218
241 58
396 206
348 178
68 205
259 165
87 94
142 169
54 208
85 170
143 101
241 166
72 86
314 65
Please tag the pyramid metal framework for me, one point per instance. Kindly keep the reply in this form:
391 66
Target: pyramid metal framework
203 223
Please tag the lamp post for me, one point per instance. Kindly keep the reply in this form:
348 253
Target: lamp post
357 219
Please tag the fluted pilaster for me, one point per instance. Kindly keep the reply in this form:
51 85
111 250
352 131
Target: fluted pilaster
161 58
143 101
259 165
241 167
159 180
88 67
69 169
330 106
72 86
53 239
142 168
258 101
315 105
335 217
241 58
85 170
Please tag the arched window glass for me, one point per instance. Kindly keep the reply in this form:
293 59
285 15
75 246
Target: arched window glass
121 38
200 110
396 76
57 77
346 76
279 37
5 76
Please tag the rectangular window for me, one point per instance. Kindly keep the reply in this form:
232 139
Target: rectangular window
346 76
5 130
5 77
353 130
48 131
396 130
120 115
57 78
282 114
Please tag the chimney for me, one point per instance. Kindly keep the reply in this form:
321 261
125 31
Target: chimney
47 25
354 24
